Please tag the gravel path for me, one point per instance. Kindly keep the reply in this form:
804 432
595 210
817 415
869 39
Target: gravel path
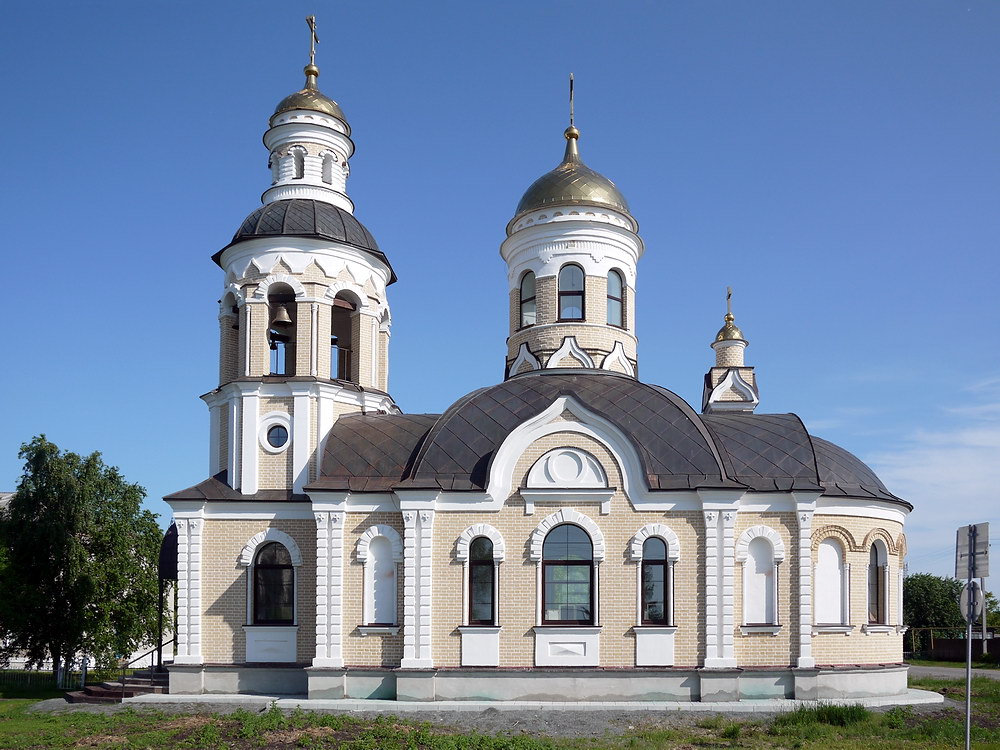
953 673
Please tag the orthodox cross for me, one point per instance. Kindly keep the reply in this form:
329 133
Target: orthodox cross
729 300
571 99
313 39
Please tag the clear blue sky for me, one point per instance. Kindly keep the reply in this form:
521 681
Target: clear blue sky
836 163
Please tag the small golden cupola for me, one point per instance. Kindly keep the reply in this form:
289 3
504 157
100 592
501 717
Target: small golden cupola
571 251
730 386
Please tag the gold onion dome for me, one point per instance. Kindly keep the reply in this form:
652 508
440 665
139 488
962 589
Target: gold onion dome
729 332
312 98
572 182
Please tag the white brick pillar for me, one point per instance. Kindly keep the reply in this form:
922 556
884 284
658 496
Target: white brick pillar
719 509
417 564
250 480
804 510
301 434
188 591
329 589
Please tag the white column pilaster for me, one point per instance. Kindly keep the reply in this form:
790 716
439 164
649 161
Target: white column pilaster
805 508
214 438
329 589
728 540
301 449
250 480
247 339
720 508
188 591
314 339
713 608
417 565
233 459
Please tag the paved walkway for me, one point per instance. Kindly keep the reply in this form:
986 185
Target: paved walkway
952 673
222 701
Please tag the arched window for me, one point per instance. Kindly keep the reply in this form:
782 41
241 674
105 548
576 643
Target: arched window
380 586
298 163
342 339
273 586
616 299
877 585
281 329
328 169
760 598
831 587
567 577
571 292
482 582
655 583
527 297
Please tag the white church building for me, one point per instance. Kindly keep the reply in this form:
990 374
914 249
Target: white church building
571 533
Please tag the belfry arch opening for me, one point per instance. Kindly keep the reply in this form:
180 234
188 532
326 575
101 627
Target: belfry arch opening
343 339
281 321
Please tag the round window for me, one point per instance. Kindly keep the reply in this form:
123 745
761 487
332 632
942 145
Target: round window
277 436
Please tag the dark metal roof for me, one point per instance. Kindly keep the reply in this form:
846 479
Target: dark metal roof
843 473
217 488
371 453
303 217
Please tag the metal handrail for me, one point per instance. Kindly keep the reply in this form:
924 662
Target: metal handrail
126 665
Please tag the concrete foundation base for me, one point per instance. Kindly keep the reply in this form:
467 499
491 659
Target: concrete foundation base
558 685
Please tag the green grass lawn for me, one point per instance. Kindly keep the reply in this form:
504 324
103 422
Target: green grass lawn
819 728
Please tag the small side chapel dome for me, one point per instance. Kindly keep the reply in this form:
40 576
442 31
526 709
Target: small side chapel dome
312 98
572 182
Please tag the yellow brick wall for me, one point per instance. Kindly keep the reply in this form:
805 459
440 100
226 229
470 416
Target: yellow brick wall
275 469
224 588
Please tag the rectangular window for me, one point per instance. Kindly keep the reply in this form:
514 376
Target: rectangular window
481 596
567 594
654 593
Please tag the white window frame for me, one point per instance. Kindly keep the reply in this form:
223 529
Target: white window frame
777 556
845 590
882 626
465 540
669 538
368 598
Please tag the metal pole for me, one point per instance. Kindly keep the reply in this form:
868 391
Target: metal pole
982 586
968 636
159 629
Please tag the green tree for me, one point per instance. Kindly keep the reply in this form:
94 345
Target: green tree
931 601
79 569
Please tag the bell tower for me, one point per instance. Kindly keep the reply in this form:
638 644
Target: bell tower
304 318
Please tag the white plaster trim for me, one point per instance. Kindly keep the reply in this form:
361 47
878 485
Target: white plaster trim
732 380
380 530
270 535
524 355
356 292
269 420
743 544
842 629
188 591
577 496
569 348
566 515
546 473
617 356
366 630
655 530
329 588
589 424
477 530
877 629
768 629
278 278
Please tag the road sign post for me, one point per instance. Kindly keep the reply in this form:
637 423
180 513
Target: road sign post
972 561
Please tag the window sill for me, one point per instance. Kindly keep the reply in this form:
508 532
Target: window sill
877 629
367 630
655 629
576 629
765 629
480 629
844 629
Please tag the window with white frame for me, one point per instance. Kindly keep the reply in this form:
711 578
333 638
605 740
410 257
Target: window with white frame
380 550
760 550
480 548
655 548
567 577
273 586
832 584
878 584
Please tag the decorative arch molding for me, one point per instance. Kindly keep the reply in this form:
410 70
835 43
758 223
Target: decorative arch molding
572 349
842 535
566 515
551 420
477 530
233 289
376 531
887 540
355 292
617 357
743 544
524 357
567 468
271 535
901 545
733 381
279 278
659 531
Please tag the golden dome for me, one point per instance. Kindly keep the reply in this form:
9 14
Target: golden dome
312 98
572 182
729 332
